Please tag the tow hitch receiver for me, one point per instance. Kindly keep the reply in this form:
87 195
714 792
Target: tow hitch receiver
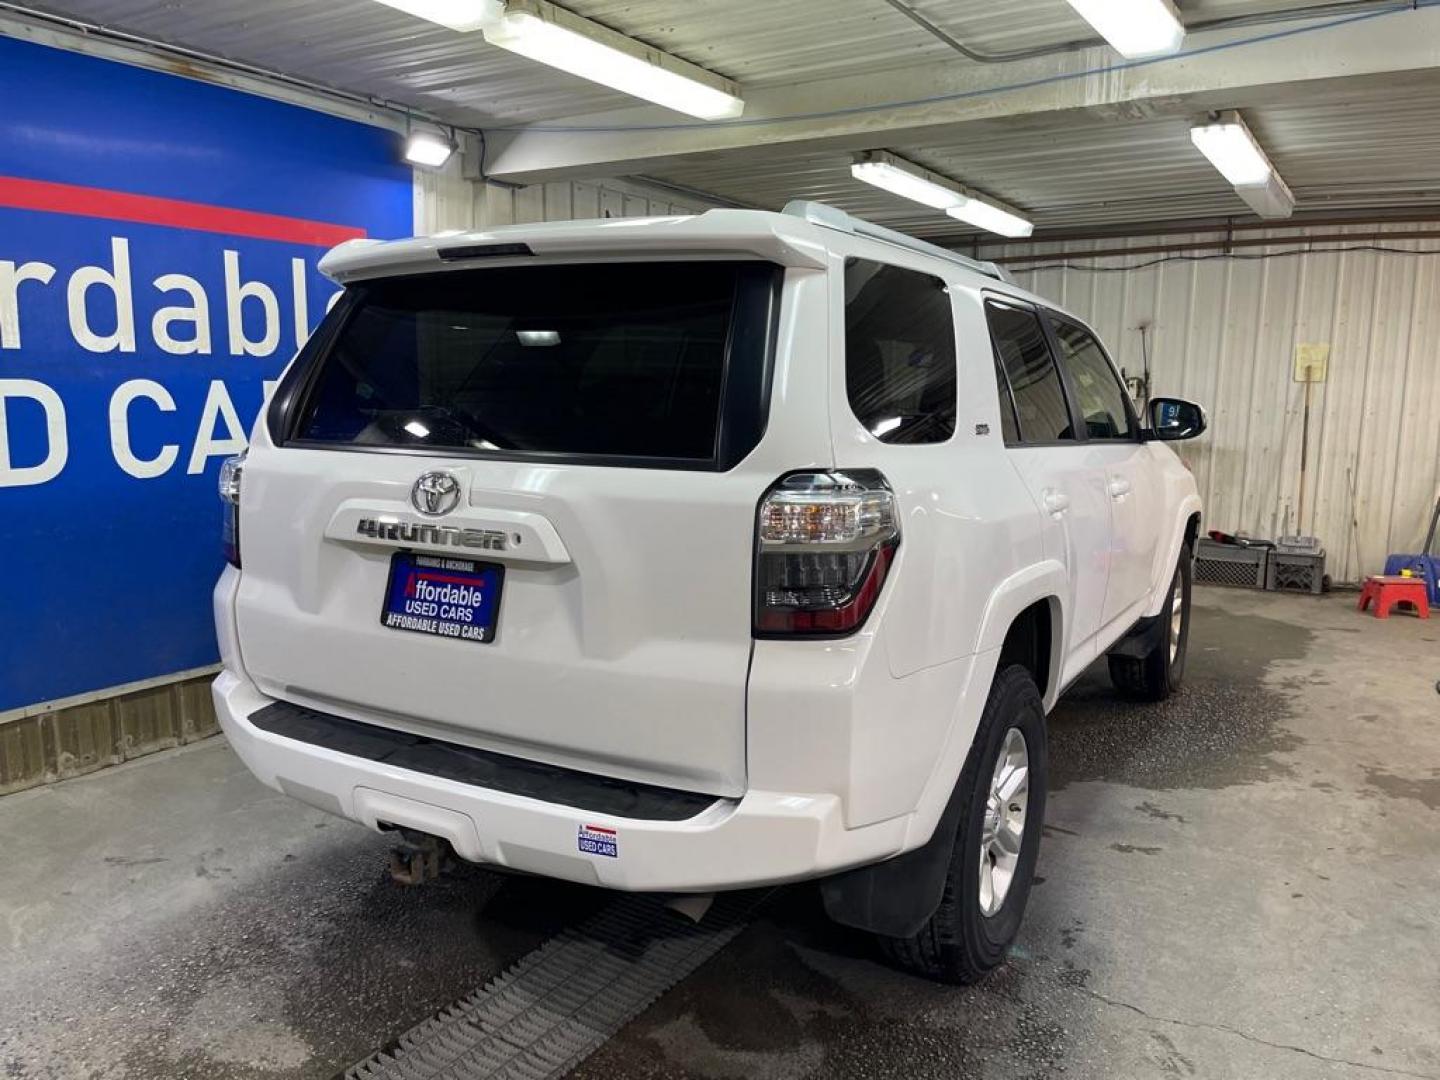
418 857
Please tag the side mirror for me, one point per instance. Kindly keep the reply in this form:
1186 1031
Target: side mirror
1174 419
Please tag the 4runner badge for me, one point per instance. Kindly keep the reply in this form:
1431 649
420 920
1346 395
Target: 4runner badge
423 532
435 493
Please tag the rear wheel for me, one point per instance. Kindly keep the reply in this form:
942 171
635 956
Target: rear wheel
1157 675
996 845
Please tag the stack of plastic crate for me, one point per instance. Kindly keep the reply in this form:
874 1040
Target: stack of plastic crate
1230 564
1297 565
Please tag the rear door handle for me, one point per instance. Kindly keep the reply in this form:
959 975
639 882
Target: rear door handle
1119 487
1056 502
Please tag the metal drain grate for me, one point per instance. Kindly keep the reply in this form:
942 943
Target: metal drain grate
560 1003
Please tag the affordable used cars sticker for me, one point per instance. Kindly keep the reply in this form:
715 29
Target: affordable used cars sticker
599 840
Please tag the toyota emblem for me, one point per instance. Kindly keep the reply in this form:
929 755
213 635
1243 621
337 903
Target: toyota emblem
435 493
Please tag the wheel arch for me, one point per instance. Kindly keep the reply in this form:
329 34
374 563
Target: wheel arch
1032 594
896 896
1186 530
1033 642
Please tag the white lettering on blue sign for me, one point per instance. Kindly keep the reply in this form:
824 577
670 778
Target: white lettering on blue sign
599 840
97 293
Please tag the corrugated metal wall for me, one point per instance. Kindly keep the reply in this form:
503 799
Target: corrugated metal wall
444 200
1223 331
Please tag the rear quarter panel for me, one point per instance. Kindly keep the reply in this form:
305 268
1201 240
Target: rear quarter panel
968 525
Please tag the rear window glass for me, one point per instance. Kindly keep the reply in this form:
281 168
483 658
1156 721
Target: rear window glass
899 353
1025 360
604 359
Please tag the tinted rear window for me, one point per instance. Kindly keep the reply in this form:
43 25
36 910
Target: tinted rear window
1025 359
610 359
899 353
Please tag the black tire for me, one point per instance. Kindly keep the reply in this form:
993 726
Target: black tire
960 944
1156 676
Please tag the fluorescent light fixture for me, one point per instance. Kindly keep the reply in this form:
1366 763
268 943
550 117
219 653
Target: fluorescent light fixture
541 31
992 217
908 180
419 430
538 337
462 15
900 177
884 427
1233 150
428 148
1135 28
1272 199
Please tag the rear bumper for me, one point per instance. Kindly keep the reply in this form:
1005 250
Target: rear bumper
762 838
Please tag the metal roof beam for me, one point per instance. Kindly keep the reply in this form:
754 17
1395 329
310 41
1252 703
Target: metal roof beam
1222 69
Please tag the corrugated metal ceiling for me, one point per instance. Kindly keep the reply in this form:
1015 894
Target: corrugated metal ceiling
1361 150
1366 149
364 47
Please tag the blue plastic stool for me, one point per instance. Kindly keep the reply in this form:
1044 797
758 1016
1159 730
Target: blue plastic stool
1425 567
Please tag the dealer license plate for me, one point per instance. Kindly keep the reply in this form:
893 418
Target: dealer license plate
443 596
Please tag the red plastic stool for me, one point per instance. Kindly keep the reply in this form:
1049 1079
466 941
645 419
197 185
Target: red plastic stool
1392 590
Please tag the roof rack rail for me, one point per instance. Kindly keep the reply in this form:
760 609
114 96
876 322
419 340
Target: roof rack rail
830 217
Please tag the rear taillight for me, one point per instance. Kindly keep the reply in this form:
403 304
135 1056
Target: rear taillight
825 541
230 470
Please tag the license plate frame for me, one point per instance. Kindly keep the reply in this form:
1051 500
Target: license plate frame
422 589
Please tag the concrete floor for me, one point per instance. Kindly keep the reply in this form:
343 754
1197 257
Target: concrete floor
1243 882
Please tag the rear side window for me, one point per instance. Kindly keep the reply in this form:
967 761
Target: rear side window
1028 367
626 360
1099 395
899 353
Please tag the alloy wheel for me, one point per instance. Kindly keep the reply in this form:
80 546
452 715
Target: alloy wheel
1003 833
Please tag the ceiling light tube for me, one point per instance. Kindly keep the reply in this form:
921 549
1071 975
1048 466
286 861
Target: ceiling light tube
541 31
909 181
1272 199
1135 28
993 217
1231 148
1228 144
462 15
429 149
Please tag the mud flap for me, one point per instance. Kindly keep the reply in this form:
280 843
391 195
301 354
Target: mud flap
897 897
1142 639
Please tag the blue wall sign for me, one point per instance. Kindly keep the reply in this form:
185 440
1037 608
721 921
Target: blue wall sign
158 244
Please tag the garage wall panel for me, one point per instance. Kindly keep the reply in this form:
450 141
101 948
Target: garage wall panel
65 739
444 200
1223 330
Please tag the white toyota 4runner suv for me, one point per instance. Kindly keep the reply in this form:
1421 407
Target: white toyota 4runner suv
700 553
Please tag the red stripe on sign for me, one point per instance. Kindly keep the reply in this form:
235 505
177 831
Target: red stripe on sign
449 579
176 213
600 829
